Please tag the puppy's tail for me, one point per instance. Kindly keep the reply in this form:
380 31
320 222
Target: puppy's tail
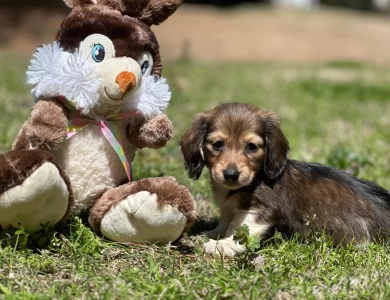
374 192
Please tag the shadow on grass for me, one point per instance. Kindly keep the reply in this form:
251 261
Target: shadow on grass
71 235
203 223
76 233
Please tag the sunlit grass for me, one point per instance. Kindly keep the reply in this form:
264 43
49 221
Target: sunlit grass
338 113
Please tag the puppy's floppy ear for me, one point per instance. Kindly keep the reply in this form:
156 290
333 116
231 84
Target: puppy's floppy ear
276 148
151 12
191 145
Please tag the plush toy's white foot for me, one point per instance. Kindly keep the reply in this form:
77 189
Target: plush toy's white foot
41 195
156 210
140 218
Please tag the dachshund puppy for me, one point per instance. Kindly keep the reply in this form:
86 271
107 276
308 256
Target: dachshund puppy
254 183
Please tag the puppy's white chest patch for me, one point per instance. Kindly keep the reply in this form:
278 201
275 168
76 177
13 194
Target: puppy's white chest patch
92 164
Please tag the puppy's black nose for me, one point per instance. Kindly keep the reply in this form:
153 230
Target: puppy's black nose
231 174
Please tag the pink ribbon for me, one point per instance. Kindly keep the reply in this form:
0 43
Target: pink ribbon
107 126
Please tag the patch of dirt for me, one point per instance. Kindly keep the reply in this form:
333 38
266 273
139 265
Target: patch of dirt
247 33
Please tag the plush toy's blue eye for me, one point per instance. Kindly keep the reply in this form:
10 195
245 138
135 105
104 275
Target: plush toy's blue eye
98 53
144 67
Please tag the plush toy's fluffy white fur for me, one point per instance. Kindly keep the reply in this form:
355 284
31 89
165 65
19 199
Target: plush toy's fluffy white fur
152 98
55 72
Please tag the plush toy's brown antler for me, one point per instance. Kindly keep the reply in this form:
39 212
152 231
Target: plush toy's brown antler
151 12
75 3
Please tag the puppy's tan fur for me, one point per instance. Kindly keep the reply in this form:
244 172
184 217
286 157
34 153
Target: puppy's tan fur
255 184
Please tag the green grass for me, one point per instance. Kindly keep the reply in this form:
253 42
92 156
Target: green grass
337 114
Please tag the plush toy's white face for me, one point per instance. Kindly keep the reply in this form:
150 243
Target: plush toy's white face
120 76
96 81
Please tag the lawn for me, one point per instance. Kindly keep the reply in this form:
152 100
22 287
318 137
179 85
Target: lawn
338 114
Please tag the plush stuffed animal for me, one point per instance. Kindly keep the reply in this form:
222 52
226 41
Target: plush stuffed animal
98 95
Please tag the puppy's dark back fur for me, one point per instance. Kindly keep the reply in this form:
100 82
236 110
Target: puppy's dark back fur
309 198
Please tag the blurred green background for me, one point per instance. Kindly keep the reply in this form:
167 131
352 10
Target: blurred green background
322 66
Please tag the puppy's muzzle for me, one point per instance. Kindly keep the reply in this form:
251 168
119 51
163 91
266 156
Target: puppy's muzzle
231 174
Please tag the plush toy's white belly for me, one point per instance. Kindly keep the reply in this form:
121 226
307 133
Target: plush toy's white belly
92 164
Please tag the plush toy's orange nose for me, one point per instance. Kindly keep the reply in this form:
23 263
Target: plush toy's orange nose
126 81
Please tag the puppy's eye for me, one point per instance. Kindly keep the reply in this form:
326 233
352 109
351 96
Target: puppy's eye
218 145
251 147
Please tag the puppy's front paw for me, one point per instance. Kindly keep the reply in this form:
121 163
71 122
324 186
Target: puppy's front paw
226 247
211 247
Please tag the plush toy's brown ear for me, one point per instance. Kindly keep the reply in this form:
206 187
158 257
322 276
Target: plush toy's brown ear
151 12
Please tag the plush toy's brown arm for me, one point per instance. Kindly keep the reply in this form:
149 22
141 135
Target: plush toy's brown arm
154 133
45 129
